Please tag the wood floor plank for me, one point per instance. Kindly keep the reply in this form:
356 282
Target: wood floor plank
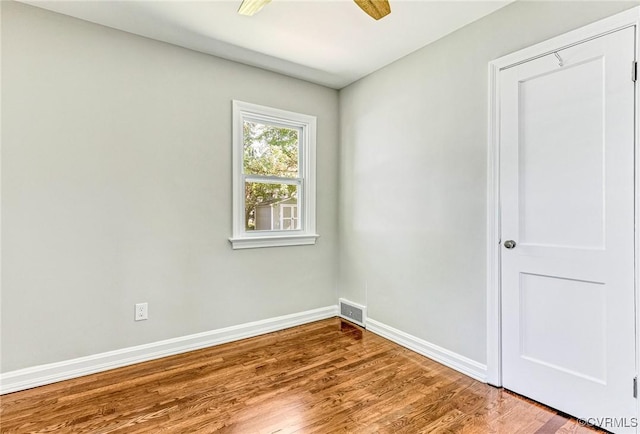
327 376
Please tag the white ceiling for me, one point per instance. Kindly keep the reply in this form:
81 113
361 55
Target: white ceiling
330 42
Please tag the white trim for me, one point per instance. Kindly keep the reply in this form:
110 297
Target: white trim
53 372
460 363
306 124
273 241
619 21
494 294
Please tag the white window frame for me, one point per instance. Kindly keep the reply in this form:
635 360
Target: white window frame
306 181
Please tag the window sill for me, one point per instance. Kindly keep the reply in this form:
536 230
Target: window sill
273 241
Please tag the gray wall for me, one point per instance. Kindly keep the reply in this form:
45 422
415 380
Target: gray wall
116 167
116 189
413 176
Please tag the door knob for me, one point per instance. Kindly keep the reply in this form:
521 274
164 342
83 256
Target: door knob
509 244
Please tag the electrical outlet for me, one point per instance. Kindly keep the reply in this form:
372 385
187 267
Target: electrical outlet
142 311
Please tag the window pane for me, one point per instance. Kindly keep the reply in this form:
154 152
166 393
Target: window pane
270 150
288 216
265 206
289 224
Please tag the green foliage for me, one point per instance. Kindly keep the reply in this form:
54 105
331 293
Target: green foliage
269 151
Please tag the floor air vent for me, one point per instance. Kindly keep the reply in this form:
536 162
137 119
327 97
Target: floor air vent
353 312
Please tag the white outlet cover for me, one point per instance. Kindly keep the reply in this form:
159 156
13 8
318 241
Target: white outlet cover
142 311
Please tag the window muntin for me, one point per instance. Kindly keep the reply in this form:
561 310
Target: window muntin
273 177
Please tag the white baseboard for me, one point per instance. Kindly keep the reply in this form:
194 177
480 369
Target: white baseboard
441 355
27 378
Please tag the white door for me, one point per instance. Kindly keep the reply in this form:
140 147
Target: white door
567 201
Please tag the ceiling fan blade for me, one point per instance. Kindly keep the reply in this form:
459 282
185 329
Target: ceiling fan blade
251 7
374 8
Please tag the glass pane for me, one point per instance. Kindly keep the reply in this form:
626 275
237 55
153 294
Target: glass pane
289 224
265 204
270 150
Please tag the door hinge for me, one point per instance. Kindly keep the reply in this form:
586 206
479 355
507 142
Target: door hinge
634 71
635 387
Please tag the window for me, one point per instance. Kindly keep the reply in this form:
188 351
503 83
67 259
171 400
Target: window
273 177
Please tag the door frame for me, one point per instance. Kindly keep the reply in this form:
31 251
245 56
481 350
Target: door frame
629 18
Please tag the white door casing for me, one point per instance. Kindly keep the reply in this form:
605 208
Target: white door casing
568 285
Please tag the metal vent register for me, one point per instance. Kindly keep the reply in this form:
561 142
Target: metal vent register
352 312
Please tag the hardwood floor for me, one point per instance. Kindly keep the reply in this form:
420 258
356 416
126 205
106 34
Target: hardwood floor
324 377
